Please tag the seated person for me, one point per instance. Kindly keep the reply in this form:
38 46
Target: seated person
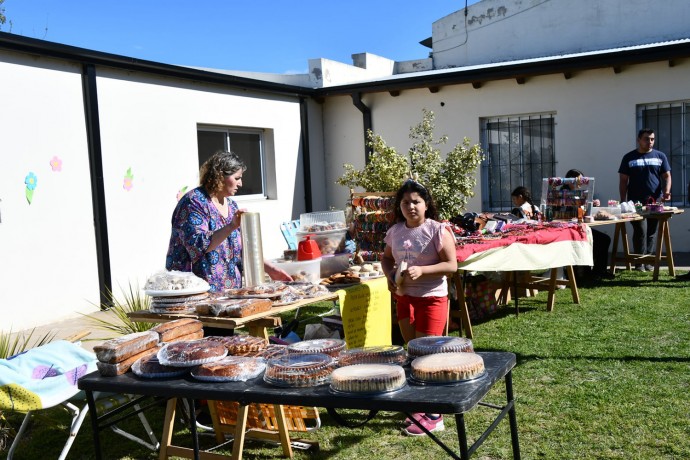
601 243
522 200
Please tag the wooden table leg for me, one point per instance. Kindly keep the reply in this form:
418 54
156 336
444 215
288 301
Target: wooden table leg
552 288
168 422
660 234
614 250
669 250
283 431
626 246
572 282
240 431
465 322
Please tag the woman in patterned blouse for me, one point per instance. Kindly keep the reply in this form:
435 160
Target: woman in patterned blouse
205 236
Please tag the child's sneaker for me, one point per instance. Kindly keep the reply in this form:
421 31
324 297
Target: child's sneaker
415 415
429 423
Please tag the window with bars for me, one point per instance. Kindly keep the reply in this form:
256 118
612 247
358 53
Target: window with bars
248 144
671 124
519 151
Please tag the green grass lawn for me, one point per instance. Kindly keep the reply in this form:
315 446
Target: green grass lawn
606 379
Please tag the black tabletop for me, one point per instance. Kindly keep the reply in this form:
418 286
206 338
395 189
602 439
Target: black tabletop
446 399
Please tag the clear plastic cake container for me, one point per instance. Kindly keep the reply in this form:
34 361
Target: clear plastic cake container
438 344
322 220
328 241
387 354
297 370
330 347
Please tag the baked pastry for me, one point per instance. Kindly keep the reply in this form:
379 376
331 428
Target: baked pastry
191 353
177 328
293 370
388 354
240 344
113 369
117 350
230 369
330 347
175 281
232 308
438 344
150 368
368 378
447 367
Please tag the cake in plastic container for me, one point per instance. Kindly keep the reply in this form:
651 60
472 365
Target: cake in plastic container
368 379
189 353
438 344
230 369
330 347
387 354
150 368
240 344
447 367
298 370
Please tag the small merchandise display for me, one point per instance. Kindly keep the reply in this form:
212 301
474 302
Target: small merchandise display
447 367
386 354
298 370
368 379
438 344
372 215
565 197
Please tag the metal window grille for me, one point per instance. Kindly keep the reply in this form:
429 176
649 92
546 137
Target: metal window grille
671 124
520 151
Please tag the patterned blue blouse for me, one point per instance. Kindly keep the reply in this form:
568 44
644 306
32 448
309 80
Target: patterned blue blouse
194 221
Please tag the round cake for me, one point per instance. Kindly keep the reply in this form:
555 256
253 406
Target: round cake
388 354
330 347
230 369
438 344
447 367
188 353
149 367
240 344
297 370
368 378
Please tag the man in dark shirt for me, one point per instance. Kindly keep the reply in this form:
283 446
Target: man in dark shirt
645 174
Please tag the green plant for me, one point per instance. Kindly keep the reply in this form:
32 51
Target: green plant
451 180
133 300
12 344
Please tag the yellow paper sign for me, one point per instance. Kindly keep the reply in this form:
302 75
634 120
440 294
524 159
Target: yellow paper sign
366 313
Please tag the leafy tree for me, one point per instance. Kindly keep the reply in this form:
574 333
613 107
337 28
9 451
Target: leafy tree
451 180
2 14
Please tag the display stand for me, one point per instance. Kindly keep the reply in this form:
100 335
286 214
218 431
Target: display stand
563 196
372 216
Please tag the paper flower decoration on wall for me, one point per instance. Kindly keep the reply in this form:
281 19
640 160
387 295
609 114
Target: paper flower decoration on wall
129 180
56 164
181 192
30 180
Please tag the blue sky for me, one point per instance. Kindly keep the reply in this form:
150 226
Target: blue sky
257 35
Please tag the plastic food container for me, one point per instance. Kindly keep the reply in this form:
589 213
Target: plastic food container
387 354
330 347
329 241
368 379
438 344
334 263
321 221
293 370
304 270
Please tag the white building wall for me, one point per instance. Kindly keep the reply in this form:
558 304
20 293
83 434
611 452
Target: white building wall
595 121
47 248
505 30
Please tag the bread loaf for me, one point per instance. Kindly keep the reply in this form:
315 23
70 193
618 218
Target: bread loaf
177 328
111 370
119 349
193 336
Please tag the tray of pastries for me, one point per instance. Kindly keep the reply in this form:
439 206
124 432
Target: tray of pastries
297 370
438 344
444 368
368 379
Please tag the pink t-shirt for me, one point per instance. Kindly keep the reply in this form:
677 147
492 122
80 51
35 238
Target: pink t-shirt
424 243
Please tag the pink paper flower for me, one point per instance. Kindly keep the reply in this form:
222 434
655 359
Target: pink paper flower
56 164
407 244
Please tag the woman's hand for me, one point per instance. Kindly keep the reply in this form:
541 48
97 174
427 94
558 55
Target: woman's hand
276 273
237 219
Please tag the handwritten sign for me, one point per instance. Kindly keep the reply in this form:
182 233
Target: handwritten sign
366 313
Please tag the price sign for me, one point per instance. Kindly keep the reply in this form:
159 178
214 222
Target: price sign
366 313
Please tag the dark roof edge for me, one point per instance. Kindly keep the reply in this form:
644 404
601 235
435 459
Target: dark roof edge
533 67
45 48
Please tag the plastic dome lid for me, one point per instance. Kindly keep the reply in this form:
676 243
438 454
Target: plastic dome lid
438 344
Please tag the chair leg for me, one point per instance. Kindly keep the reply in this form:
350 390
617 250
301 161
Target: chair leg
153 445
77 419
20 433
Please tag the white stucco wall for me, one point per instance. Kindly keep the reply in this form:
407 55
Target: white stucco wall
504 30
150 125
595 115
47 248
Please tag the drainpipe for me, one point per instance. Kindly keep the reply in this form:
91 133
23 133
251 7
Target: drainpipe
93 139
306 157
366 118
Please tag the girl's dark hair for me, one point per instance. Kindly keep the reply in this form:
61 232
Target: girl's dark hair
411 186
524 192
573 173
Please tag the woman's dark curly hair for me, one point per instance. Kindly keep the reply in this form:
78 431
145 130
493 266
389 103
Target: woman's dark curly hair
411 186
213 172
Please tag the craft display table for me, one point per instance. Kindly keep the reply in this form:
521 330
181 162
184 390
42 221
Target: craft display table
549 247
663 242
454 399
